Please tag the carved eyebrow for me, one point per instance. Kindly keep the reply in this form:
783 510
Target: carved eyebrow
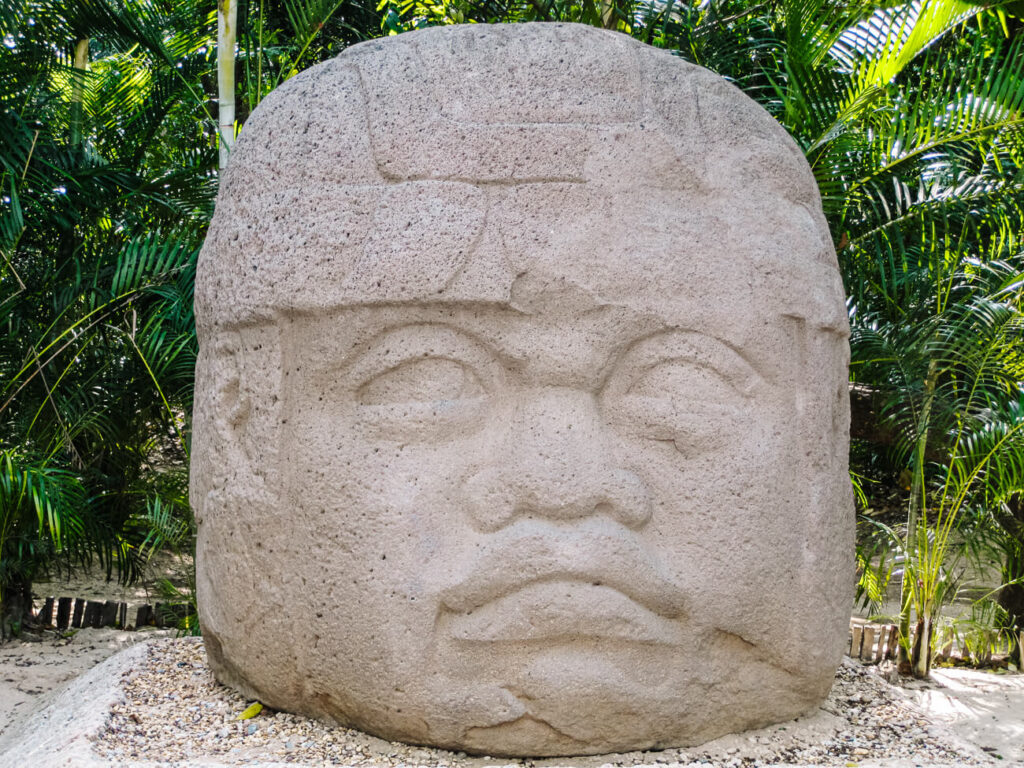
412 341
687 344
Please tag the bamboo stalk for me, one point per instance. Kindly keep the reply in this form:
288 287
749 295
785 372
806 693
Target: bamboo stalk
911 554
608 20
78 89
227 15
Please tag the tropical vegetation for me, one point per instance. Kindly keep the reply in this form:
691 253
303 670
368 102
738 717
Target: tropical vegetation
910 114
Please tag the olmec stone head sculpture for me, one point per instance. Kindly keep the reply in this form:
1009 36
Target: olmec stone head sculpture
521 419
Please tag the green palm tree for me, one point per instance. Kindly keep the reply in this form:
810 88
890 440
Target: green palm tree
911 118
42 511
105 143
108 170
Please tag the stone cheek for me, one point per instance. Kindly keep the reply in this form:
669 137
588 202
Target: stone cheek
520 422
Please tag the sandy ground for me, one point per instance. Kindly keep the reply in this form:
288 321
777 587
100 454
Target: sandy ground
31 670
981 708
33 667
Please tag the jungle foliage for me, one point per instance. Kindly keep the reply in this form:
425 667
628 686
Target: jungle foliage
911 117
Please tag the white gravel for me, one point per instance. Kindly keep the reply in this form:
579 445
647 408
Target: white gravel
173 711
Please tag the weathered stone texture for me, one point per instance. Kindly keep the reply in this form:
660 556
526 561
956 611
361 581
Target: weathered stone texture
521 417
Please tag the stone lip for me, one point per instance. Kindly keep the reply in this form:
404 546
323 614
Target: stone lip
61 733
563 608
600 555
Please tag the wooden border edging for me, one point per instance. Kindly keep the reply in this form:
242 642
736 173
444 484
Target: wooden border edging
78 612
872 643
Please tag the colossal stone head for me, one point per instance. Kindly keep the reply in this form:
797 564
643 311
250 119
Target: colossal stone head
521 418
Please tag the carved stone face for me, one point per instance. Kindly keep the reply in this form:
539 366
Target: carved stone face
559 470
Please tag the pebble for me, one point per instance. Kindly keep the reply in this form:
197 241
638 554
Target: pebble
174 710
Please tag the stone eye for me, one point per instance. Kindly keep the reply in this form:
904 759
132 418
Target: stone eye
422 382
433 380
689 382
689 405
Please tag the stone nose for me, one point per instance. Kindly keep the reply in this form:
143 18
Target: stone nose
555 461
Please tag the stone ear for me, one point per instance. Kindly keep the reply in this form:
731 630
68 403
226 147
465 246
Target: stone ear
231 402
219 416
249 387
236 414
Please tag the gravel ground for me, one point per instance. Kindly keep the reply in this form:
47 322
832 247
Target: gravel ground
34 666
173 710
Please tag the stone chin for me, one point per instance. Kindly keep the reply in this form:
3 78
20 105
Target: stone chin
568 701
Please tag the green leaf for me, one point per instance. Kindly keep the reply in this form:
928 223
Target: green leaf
251 711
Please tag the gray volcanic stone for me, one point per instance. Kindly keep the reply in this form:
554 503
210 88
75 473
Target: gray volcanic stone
521 413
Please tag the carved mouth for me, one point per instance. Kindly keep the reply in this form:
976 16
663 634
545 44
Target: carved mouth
536 581
562 609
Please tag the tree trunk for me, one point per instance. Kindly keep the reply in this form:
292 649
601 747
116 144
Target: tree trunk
227 14
608 20
913 512
16 607
78 89
921 657
1011 597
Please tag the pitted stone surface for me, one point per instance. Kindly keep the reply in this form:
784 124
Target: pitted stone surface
521 418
